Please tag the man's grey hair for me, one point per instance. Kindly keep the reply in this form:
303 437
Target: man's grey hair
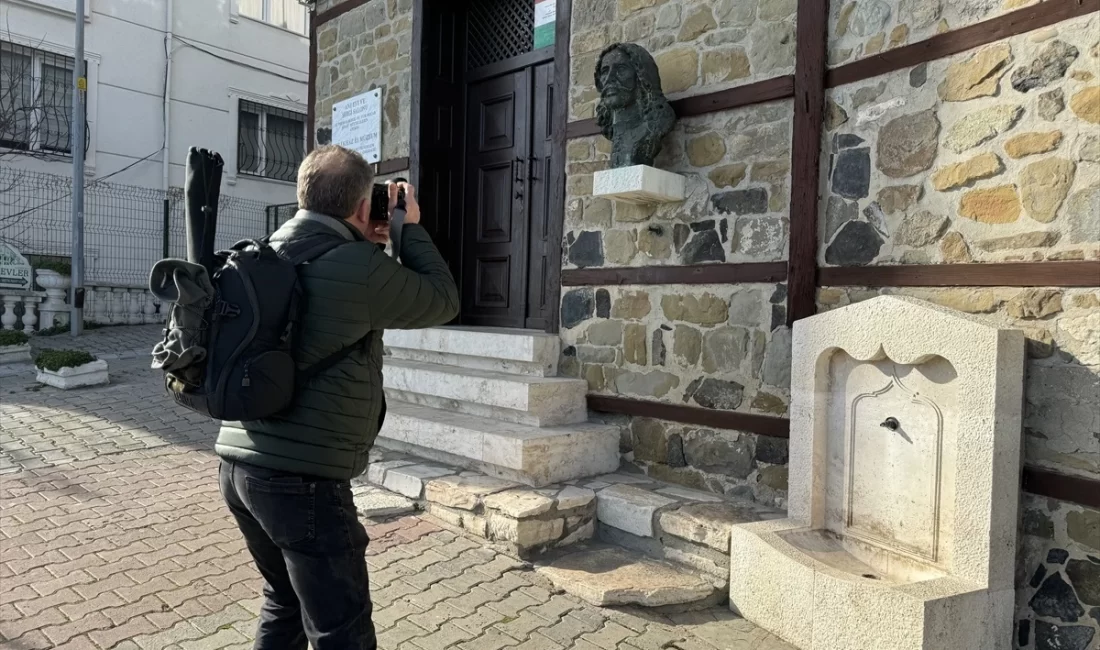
332 180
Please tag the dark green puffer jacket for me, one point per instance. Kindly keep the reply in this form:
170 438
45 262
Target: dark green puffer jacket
354 291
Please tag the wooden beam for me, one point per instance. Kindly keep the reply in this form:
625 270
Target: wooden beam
339 10
559 121
762 425
1021 21
809 116
1064 487
1009 274
768 90
311 87
392 166
769 272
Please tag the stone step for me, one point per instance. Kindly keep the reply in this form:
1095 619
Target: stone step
608 576
523 454
512 351
670 522
521 399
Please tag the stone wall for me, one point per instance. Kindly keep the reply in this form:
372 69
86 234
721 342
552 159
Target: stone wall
366 48
699 46
862 28
715 347
988 156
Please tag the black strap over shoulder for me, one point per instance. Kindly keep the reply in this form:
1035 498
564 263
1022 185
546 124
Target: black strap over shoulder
328 362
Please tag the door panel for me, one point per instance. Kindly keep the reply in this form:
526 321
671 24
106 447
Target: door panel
498 147
538 307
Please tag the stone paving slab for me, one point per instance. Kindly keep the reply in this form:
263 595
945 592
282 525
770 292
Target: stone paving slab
113 535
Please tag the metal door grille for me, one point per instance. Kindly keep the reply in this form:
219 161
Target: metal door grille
499 30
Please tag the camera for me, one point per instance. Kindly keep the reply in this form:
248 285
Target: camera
380 200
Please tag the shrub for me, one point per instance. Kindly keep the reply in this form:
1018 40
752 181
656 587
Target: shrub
54 360
12 337
65 329
60 266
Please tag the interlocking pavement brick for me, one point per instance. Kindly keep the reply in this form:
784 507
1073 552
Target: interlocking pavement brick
123 613
471 600
62 596
85 625
569 629
216 641
539 642
467 580
609 636
520 627
399 633
553 609
232 614
490 640
448 636
140 590
387 617
513 603
78 610
481 620
174 635
32 641
432 619
128 630
16 628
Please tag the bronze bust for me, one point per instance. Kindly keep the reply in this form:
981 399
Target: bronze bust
633 112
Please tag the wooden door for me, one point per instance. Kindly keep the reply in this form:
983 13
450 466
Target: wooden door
495 217
540 259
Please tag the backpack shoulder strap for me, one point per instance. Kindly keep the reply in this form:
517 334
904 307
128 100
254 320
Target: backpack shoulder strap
310 253
328 362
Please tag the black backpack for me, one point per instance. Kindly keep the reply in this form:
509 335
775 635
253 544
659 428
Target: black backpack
228 347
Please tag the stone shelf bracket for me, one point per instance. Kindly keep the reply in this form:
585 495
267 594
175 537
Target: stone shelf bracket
639 184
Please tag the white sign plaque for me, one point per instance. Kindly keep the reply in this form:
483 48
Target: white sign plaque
15 271
357 124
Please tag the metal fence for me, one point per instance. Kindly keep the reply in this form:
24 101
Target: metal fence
124 225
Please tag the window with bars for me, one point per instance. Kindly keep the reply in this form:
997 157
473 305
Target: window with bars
36 99
288 14
271 142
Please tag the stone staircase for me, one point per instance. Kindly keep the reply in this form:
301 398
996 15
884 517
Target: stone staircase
483 436
488 400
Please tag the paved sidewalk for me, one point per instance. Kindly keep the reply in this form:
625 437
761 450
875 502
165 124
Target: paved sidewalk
113 535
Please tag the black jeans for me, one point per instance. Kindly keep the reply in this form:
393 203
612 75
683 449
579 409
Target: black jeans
310 548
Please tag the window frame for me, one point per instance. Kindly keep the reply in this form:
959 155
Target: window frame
266 16
238 101
42 47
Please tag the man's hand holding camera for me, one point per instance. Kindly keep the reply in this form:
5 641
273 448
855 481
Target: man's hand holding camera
402 193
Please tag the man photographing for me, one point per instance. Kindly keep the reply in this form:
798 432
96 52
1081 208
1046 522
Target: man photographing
286 479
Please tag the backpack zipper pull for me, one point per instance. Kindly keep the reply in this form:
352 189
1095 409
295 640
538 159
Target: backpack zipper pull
245 381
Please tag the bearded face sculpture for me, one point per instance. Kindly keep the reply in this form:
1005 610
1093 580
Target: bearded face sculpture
633 112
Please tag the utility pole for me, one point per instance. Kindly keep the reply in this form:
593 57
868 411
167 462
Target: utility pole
76 299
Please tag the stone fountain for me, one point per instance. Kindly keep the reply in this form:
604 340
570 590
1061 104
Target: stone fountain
904 485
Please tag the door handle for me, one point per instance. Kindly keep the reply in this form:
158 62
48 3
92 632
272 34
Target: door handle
534 167
521 176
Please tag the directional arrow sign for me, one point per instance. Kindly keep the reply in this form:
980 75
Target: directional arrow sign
15 271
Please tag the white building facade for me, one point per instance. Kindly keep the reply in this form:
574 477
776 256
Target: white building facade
162 76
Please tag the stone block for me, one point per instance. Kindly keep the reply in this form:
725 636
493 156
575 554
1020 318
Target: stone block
607 577
409 480
89 374
493 349
519 504
15 353
639 184
630 508
463 492
528 455
709 523
373 502
526 534
534 401
376 472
